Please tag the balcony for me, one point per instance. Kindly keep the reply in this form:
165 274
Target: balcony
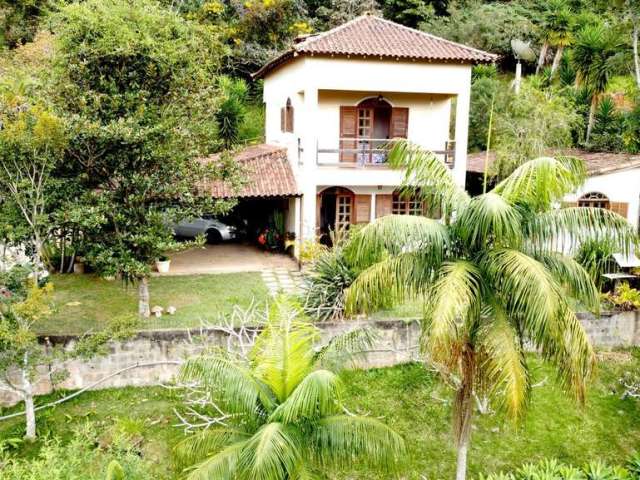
370 153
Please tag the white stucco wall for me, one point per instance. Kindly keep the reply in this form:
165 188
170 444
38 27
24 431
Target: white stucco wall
620 186
317 86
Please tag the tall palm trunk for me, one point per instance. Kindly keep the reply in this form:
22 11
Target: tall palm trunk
464 411
556 60
543 55
592 116
143 298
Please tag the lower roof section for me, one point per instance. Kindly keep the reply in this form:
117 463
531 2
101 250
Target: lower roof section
266 172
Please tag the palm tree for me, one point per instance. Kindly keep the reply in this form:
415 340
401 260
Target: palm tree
560 36
283 416
492 276
591 57
556 24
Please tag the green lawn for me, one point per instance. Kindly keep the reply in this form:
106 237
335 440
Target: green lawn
86 302
418 405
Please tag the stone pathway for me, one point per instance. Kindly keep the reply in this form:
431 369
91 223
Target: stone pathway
282 280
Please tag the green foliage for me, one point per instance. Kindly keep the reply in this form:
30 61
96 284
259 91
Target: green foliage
623 298
554 470
285 416
607 135
138 82
411 12
596 256
230 115
488 26
79 459
326 281
591 57
19 20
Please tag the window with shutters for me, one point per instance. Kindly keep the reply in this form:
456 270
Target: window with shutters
407 205
286 117
595 200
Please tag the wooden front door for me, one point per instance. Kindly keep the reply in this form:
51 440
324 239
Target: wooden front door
344 210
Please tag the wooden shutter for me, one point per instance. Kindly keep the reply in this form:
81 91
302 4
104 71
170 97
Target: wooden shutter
283 120
363 209
348 129
383 205
399 122
289 119
621 208
318 210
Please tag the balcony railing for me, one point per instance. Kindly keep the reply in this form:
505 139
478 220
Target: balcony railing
370 152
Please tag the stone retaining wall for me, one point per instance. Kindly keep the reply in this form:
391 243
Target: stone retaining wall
397 343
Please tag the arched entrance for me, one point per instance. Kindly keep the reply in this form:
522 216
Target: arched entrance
335 211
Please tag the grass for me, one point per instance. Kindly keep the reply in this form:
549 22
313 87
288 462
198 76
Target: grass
87 302
418 405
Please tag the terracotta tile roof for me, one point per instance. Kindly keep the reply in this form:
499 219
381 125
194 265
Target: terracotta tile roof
267 173
597 163
373 36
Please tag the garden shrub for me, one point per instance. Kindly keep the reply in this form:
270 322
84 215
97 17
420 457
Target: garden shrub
325 283
624 298
84 457
551 469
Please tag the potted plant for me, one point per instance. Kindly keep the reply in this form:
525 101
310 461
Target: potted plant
163 263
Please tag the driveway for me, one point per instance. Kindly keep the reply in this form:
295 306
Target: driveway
228 258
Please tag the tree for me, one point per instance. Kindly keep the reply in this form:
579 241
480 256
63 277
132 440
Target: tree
23 361
491 276
32 140
560 19
137 83
557 24
631 9
280 411
487 26
592 53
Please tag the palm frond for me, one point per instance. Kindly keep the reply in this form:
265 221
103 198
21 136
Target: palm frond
283 353
427 175
389 281
455 297
316 396
344 439
395 234
271 454
572 276
489 219
504 363
567 228
340 349
232 384
572 354
526 289
540 182
195 448
222 466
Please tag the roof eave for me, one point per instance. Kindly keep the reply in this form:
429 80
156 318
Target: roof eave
291 54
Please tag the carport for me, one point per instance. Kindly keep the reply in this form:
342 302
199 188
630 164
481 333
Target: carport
267 213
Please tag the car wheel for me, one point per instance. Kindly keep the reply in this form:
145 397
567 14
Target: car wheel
214 237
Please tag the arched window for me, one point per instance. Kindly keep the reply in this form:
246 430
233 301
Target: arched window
595 200
286 117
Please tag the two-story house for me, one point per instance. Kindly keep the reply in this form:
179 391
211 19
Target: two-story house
335 100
